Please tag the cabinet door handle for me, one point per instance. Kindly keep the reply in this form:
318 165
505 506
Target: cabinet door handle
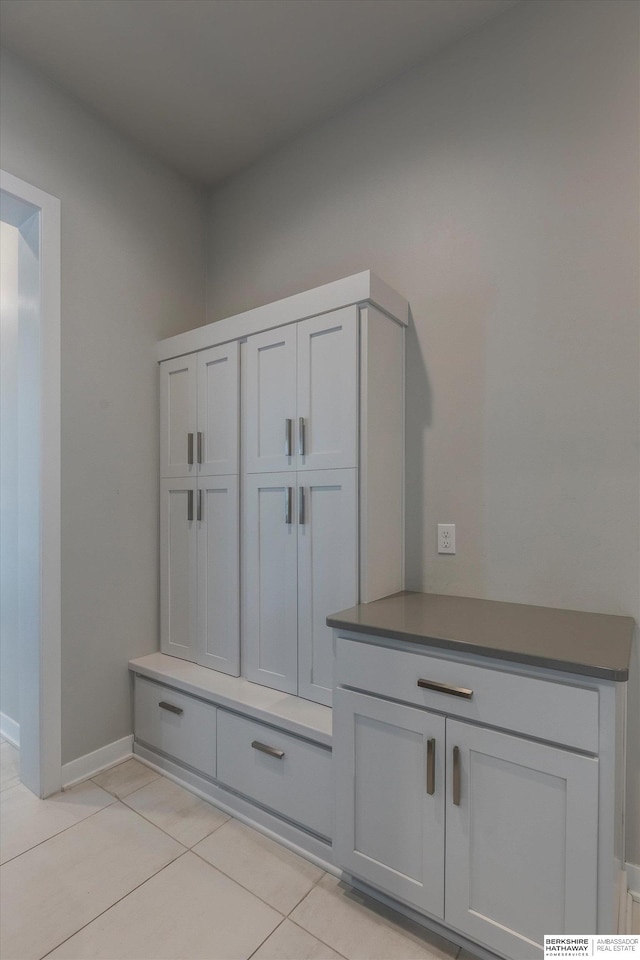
190 449
263 748
199 513
200 439
431 766
301 506
170 707
288 504
288 429
301 436
463 692
189 505
456 776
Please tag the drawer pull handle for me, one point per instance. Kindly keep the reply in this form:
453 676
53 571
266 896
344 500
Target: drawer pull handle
431 766
463 692
170 707
189 506
301 436
456 776
288 505
263 748
190 449
199 446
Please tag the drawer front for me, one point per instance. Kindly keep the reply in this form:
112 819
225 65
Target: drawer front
175 723
547 710
290 776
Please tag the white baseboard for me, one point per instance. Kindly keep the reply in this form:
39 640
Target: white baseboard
633 879
10 730
92 763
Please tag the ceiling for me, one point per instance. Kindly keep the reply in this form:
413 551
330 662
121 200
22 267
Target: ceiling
209 86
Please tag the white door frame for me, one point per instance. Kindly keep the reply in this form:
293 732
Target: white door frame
37 216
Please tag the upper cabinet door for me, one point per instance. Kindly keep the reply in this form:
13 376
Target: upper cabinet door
326 427
218 407
271 401
178 417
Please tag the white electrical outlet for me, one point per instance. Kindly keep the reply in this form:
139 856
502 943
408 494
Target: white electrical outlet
446 538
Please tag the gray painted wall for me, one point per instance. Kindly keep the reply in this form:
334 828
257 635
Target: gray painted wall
496 188
132 273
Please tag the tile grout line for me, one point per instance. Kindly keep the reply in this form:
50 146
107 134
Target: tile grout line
114 904
64 830
323 942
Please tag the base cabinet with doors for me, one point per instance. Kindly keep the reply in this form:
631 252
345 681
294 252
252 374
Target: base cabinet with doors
485 795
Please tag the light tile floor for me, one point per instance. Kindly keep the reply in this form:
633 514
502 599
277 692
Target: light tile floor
129 866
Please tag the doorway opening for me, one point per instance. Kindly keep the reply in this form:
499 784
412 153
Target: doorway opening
30 578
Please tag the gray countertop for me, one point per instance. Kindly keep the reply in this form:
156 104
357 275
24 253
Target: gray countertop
590 644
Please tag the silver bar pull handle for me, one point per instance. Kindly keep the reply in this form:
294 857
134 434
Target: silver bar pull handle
431 766
456 776
190 449
200 439
199 513
189 505
288 505
463 692
170 707
301 436
264 748
288 430
301 506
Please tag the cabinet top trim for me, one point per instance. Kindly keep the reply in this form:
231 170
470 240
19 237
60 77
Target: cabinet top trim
588 644
362 288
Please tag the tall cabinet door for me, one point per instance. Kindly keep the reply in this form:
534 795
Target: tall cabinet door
218 574
390 782
327 571
270 628
271 401
327 425
178 567
178 417
218 410
521 840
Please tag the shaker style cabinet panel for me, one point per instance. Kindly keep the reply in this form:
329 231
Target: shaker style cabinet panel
521 840
178 421
218 617
390 783
270 581
178 562
327 391
218 410
327 571
199 409
301 395
270 397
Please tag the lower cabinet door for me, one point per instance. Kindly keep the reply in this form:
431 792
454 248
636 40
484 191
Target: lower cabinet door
178 534
521 840
390 793
327 571
270 613
218 574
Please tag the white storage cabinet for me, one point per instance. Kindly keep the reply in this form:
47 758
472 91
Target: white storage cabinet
302 493
495 832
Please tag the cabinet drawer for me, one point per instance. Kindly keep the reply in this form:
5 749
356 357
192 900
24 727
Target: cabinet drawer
294 778
175 723
544 709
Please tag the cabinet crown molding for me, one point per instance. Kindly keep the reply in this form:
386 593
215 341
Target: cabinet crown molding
363 288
